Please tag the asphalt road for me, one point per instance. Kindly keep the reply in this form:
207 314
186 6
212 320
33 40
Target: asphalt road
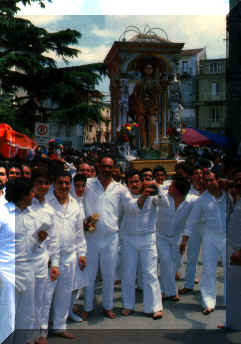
182 321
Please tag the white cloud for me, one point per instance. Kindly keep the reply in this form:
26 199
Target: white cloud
56 7
195 31
103 33
129 7
170 7
87 55
40 20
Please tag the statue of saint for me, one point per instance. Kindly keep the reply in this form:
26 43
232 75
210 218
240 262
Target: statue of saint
145 105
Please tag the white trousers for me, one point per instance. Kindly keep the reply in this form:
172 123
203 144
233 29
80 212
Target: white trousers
142 250
7 308
59 292
193 251
25 315
213 247
168 251
106 256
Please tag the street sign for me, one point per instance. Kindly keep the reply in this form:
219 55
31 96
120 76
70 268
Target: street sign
41 133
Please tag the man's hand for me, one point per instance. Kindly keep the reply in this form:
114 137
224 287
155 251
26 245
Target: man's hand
82 262
54 273
183 244
235 258
42 235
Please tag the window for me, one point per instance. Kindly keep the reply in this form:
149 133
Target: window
214 67
68 130
214 114
184 66
215 88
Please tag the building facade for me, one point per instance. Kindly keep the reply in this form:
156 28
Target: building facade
211 95
188 72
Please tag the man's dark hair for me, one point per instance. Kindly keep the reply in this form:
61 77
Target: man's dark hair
16 190
79 177
159 168
185 167
40 172
3 165
131 173
62 173
181 184
146 169
13 164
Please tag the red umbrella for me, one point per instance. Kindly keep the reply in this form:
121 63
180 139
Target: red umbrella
193 137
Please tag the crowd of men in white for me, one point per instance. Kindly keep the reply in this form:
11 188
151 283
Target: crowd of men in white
47 251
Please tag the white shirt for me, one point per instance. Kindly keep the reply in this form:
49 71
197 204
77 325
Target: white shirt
209 210
171 221
136 221
106 203
23 224
69 227
7 247
50 246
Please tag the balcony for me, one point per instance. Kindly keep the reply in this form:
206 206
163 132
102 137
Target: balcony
209 97
210 124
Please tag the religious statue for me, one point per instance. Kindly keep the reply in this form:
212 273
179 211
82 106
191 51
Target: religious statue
145 105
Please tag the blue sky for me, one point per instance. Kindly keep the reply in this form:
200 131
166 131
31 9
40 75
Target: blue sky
101 22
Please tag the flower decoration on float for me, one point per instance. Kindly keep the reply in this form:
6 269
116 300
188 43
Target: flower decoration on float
128 131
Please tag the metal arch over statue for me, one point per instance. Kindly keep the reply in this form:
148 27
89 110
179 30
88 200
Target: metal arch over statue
142 65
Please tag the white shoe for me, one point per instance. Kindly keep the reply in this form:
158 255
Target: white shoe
74 317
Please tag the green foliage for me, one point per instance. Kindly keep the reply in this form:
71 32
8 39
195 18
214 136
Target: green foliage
8 115
10 7
27 70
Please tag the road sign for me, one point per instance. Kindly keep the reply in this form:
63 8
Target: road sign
42 133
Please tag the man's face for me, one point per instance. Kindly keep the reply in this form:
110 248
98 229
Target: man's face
148 70
106 167
134 184
211 182
27 199
26 171
79 188
92 171
116 174
84 169
237 182
62 186
13 173
147 176
172 188
197 176
160 177
41 187
3 175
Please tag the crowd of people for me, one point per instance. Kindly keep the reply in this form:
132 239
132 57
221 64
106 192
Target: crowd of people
65 221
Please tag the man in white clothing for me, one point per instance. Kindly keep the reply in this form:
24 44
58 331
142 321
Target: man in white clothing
174 208
103 197
138 245
213 208
194 243
48 253
69 224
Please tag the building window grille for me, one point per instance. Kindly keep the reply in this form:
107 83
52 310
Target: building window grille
215 88
214 67
214 115
184 66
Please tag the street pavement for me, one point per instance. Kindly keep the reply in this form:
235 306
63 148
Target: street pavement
182 321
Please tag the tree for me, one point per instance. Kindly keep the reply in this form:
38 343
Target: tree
27 71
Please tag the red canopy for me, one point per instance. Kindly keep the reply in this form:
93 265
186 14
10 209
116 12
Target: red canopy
14 144
193 137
